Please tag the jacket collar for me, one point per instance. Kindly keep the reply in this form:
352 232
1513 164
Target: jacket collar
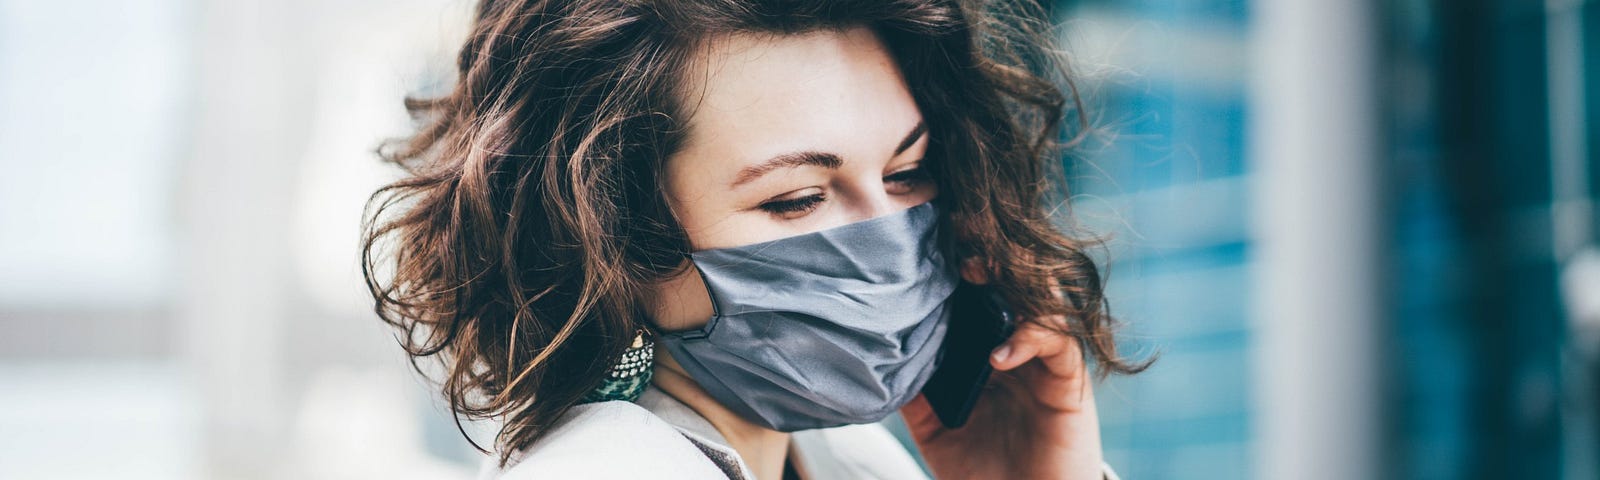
697 429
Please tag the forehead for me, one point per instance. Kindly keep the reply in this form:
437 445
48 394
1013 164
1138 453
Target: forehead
753 96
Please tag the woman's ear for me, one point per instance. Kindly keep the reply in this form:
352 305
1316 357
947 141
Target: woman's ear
679 302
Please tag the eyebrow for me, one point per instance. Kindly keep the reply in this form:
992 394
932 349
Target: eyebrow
911 138
814 158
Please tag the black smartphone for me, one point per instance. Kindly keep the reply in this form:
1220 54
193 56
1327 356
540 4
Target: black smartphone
979 323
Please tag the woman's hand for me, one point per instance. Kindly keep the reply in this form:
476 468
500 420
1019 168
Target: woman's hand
1035 420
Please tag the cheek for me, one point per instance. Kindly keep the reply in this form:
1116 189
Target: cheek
712 219
709 223
732 229
711 214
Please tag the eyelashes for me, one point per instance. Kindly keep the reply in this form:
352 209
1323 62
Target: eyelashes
912 177
900 182
793 205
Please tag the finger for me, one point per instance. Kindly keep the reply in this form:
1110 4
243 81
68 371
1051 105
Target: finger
1029 341
1060 377
1066 361
1058 352
1065 393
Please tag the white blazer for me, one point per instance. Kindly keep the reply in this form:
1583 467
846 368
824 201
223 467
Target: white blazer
658 437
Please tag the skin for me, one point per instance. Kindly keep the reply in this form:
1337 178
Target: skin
761 97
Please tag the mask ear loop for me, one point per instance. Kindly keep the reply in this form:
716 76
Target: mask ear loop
646 321
711 296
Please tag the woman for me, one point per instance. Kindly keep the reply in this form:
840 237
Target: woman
714 239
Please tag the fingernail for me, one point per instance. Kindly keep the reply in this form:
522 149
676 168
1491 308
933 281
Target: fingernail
1002 353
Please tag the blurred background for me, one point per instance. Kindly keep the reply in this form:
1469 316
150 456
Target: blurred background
1361 235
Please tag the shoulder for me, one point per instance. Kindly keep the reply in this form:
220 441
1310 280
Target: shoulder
606 440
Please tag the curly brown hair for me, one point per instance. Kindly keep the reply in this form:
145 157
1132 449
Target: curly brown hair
531 224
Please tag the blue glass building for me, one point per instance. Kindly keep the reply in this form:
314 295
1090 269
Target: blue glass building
1478 373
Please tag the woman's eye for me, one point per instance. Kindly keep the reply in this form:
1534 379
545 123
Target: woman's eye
792 206
912 177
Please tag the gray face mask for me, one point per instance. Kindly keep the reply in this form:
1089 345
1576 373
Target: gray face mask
836 327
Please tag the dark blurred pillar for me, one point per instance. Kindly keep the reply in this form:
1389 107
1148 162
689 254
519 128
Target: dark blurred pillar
1494 134
1591 59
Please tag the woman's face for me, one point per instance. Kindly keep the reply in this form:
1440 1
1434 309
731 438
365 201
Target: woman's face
790 134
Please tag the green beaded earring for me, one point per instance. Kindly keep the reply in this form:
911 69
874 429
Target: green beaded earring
628 377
